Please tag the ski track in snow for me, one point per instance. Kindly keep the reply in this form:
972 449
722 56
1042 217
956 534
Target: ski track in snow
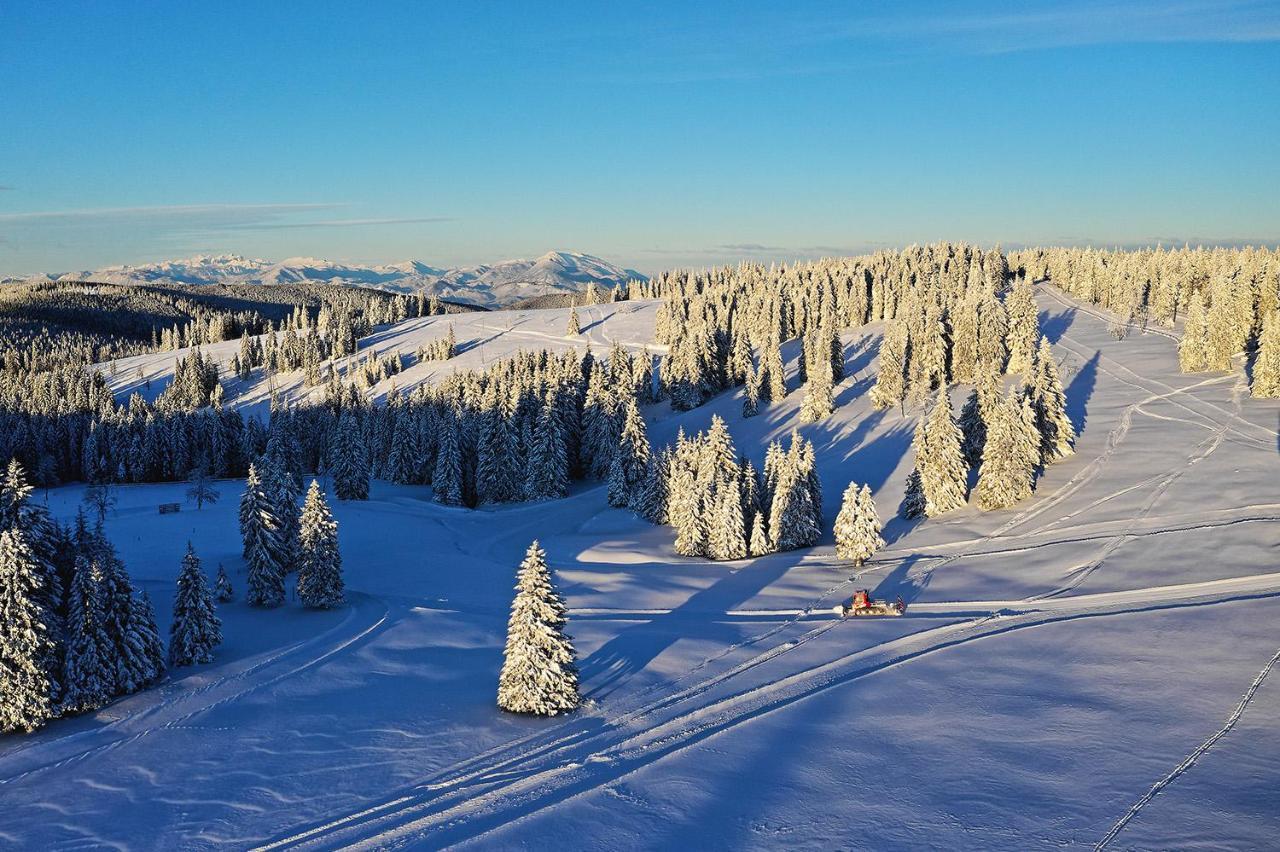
1191 758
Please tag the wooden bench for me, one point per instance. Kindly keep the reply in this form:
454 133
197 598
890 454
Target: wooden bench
170 508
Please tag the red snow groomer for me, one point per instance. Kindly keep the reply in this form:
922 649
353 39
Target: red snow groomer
862 604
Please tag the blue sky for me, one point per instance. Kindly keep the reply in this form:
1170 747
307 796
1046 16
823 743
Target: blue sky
655 135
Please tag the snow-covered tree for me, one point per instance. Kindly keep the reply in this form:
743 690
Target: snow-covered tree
1266 368
943 473
913 499
1193 349
819 398
1024 328
890 386
684 511
148 648
630 459
573 329
539 672
795 517
1049 403
548 474
222 589
447 481
28 639
728 538
319 561
857 527
263 547
349 461
1010 454
196 629
200 489
89 671
760 543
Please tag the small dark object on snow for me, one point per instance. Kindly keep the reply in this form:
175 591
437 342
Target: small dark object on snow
170 508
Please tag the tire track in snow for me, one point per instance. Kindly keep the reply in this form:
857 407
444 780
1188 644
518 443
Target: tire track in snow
1199 752
187 695
510 794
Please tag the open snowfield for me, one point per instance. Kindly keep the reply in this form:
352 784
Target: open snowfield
1090 666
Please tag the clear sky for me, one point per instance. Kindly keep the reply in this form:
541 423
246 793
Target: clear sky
654 134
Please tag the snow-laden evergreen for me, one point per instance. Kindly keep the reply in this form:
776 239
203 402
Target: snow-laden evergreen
320 582
630 459
1193 349
1024 328
943 472
262 545
539 672
29 684
1049 403
819 397
1010 455
348 460
196 629
857 526
890 386
88 678
222 588
1266 368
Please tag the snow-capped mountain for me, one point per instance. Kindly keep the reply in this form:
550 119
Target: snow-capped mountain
490 285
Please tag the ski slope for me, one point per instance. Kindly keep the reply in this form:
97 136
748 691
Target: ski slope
1094 667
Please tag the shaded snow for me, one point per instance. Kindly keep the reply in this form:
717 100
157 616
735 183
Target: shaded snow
1056 660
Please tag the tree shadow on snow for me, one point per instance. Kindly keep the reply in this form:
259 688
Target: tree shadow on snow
1053 326
1080 390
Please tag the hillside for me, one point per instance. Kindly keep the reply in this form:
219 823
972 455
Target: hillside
488 285
1093 660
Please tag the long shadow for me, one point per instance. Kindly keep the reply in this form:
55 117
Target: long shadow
1053 326
631 650
1080 390
899 584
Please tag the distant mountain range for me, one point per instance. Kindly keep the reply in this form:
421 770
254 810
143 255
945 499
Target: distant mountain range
489 285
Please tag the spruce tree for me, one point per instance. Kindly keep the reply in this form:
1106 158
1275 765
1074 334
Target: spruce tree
1193 349
728 533
222 589
943 473
146 640
349 461
913 499
539 674
548 475
795 516
652 504
28 639
319 562
196 629
857 527
89 670
1009 456
1049 403
760 543
262 546
1024 328
819 398
1266 368
685 512
573 329
447 480
630 459
890 386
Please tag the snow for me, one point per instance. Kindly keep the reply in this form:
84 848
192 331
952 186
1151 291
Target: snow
1057 661
489 285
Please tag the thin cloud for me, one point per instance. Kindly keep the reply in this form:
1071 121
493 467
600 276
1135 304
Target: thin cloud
340 223
167 211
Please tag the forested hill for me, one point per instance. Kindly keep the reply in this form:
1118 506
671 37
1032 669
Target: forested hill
108 320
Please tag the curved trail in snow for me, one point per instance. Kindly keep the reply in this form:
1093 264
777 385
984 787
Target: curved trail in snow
508 792
179 705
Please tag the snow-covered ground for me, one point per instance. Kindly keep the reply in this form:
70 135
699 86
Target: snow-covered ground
1089 666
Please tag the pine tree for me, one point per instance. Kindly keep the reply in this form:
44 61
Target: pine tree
795 517
539 673
1049 403
262 546
943 473
319 561
857 527
728 534
819 398
196 629
890 386
146 639
89 670
652 504
685 511
1009 456
349 461
222 589
1193 349
1024 328
447 480
28 639
913 499
573 329
630 459
548 476
1266 368
760 543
